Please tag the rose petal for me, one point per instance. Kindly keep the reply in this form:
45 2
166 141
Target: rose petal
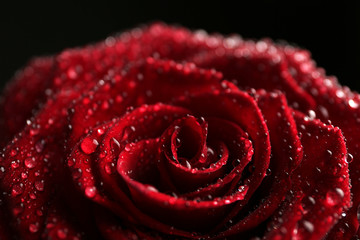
159 81
239 108
30 159
321 190
341 106
190 214
286 156
22 95
147 121
256 65
181 171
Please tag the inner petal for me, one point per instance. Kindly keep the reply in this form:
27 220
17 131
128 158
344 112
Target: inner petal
188 141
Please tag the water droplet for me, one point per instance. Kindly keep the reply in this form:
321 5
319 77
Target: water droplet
334 197
210 152
39 212
109 168
62 233
17 189
350 158
39 185
34 227
340 93
30 162
188 165
308 226
34 131
177 142
90 192
18 209
13 152
312 114
15 164
127 148
89 145
77 173
151 188
71 162
353 104
32 195
39 146
100 131
115 144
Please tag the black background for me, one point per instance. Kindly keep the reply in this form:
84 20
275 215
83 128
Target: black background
329 31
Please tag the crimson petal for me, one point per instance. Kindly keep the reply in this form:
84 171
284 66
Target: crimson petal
321 189
256 65
23 94
286 156
341 106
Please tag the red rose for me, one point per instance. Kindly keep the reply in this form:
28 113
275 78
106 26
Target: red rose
164 133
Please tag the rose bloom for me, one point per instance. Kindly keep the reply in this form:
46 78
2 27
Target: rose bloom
165 133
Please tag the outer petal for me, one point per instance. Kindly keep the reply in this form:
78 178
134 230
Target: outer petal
341 106
257 65
23 95
321 190
29 165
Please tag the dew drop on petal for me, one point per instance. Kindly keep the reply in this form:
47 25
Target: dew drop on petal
15 164
334 197
13 152
89 145
30 162
24 175
151 188
61 233
109 168
188 165
308 226
127 148
39 185
39 212
77 173
210 152
18 209
100 131
34 131
353 104
17 189
39 146
349 158
90 192
33 227
312 114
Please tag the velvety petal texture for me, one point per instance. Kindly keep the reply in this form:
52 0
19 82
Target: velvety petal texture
165 133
